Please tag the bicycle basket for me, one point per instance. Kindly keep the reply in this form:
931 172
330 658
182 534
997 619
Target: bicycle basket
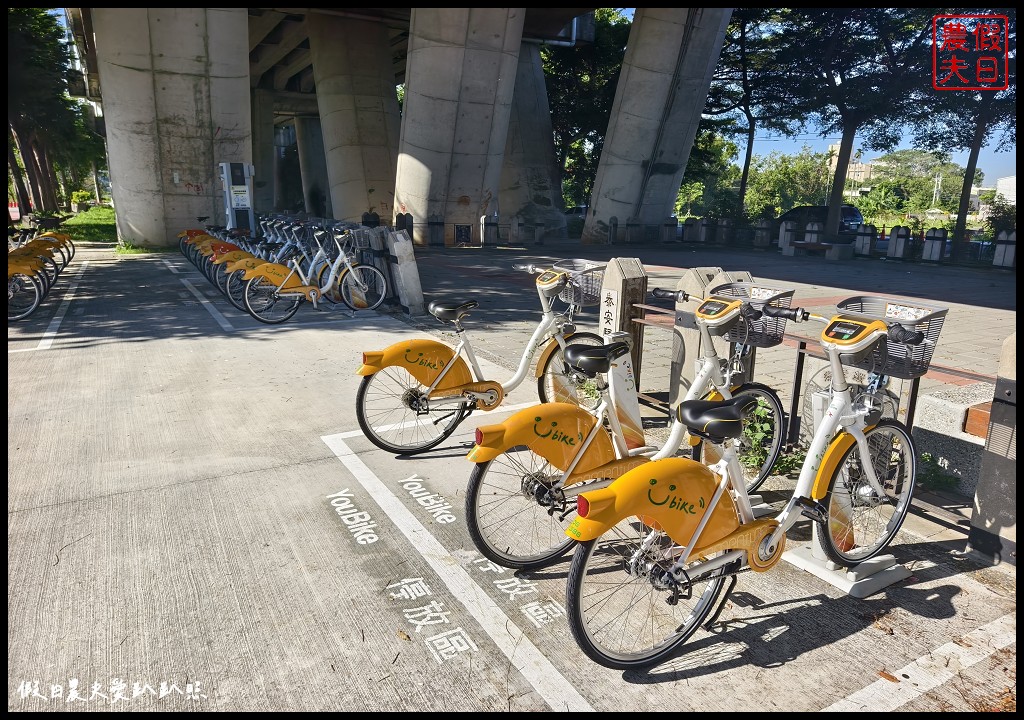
585 279
887 357
766 331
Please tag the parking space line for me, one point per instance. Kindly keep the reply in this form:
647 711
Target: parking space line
221 320
929 672
51 331
558 692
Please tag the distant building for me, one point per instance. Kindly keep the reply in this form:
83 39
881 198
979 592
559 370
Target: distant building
857 172
1007 187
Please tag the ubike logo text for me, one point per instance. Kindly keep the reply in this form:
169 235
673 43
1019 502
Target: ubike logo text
436 505
554 434
359 523
674 502
421 361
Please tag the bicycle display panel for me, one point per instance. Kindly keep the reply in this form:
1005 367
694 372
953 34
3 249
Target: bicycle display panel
714 308
548 277
844 330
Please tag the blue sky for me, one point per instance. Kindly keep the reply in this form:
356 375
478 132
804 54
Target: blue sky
994 165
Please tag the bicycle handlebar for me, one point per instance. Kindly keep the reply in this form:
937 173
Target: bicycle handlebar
795 314
532 269
905 335
677 295
896 332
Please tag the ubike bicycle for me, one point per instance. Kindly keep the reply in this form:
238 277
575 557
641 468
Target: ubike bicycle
529 469
416 392
659 550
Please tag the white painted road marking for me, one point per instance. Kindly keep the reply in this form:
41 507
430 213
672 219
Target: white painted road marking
51 331
221 320
523 654
932 670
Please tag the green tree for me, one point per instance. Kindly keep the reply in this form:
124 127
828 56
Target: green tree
781 182
711 168
51 134
581 82
886 199
745 89
971 120
926 180
854 71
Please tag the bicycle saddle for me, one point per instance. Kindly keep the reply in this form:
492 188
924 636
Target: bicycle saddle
450 311
591 360
714 419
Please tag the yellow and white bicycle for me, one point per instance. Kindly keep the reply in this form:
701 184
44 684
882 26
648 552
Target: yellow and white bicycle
658 550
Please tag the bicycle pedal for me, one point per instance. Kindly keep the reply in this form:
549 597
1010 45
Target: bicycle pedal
812 509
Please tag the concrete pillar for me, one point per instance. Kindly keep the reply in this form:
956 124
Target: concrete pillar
265 174
530 179
666 72
355 87
175 103
313 167
460 77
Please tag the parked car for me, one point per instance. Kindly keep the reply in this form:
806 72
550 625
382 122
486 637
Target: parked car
849 221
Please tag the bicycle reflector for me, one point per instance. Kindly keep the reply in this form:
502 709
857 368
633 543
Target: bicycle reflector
582 506
478 437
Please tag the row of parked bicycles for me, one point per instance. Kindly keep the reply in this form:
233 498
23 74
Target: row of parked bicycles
270 274
660 533
34 263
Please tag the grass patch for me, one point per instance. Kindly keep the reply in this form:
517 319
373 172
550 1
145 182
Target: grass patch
94 225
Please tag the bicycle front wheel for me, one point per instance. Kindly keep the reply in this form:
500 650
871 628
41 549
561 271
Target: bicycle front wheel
764 428
555 385
394 415
24 293
364 287
623 613
265 304
513 516
861 523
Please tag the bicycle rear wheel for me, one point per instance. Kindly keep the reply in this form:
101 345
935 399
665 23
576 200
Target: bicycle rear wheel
861 523
265 304
512 516
621 614
393 414
364 287
555 385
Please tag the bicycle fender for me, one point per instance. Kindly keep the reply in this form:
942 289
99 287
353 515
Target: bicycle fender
670 495
245 263
555 431
275 273
830 462
230 257
423 359
547 352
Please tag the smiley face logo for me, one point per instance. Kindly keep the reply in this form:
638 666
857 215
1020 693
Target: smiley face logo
538 433
650 497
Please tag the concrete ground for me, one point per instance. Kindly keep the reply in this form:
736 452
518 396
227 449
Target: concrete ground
195 521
